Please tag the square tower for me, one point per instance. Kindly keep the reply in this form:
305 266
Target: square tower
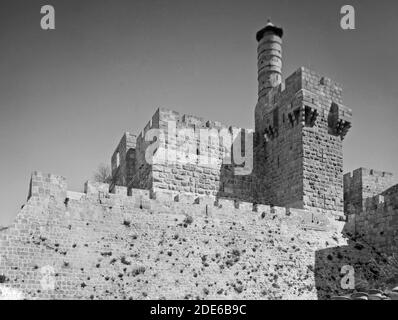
123 160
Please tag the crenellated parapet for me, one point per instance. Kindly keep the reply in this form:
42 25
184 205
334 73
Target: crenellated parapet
46 185
303 97
102 194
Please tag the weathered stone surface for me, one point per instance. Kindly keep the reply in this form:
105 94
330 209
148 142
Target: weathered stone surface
118 246
364 184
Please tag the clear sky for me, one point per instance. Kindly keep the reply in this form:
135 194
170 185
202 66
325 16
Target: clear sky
67 95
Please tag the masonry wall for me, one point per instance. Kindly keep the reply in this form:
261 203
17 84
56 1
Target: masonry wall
363 184
326 123
377 223
279 167
113 246
100 245
300 129
199 165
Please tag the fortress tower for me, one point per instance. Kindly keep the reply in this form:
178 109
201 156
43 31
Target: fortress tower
300 125
269 57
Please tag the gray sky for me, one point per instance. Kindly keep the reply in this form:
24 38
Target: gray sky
67 95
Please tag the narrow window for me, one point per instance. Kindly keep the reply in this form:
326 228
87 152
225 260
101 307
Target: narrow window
333 119
117 159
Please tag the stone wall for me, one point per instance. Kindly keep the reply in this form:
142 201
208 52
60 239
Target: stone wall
363 184
199 164
278 153
377 223
101 245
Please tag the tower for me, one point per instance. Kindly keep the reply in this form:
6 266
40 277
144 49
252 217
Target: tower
269 58
123 160
299 128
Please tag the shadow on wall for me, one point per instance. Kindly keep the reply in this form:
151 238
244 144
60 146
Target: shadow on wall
270 178
354 267
239 187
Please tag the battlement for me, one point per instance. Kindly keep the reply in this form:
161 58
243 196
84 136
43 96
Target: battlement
164 119
304 97
46 186
185 120
304 79
363 172
163 116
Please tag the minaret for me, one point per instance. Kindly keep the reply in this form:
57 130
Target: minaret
269 58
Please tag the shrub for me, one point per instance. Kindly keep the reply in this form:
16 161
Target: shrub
103 174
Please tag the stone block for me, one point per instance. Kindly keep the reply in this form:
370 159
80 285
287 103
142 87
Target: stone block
186 198
246 206
94 188
163 195
205 200
262 208
225 203
75 195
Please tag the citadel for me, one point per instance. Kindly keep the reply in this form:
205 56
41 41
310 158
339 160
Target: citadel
263 213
